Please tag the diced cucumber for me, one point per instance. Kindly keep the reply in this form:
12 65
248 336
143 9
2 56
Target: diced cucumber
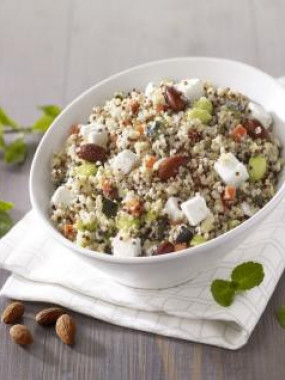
257 167
197 240
125 222
151 216
204 104
85 170
81 226
196 113
234 223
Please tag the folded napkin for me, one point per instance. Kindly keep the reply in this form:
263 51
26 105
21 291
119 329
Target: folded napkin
44 270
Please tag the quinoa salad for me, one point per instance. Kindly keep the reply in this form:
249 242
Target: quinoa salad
164 169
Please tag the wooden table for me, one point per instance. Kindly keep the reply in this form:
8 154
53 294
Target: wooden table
51 51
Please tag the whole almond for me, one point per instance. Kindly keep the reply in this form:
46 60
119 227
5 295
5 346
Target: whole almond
49 316
65 329
170 165
21 335
92 153
163 248
174 99
13 312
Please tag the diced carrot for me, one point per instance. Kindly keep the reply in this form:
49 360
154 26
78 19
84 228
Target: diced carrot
134 207
239 132
230 193
108 189
160 107
134 104
150 161
180 246
68 230
141 128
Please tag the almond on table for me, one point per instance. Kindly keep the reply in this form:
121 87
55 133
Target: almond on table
13 312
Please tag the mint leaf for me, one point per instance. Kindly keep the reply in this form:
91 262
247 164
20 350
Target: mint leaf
5 206
281 316
6 120
2 143
223 292
50 112
43 123
6 223
16 152
248 275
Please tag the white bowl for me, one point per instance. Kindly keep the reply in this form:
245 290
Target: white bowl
174 268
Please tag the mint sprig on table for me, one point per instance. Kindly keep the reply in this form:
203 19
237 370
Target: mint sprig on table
15 151
244 277
6 221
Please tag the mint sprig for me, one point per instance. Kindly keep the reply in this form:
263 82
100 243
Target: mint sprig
15 152
281 316
6 221
243 277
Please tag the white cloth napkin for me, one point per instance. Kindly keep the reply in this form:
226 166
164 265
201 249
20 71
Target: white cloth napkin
43 270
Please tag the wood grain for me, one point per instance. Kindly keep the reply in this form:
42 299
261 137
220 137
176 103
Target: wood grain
51 51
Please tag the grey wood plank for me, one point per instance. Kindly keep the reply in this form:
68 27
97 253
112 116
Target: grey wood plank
134 33
268 17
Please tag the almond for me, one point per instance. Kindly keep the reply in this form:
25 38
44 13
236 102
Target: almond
65 329
164 247
255 130
21 335
174 99
92 153
13 312
180 247
49 316
170 165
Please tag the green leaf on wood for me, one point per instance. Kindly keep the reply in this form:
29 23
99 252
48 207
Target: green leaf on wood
16 152
6 223
6 120
50 112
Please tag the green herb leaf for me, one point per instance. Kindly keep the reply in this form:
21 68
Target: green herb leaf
43 123
2 143
6 223
50 112
16 152
6 120
248 275
5 206
281 316
223 292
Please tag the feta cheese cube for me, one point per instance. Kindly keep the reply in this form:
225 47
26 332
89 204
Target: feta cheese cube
258 112
95 133
124 161
246 209
149 89
63 197
192 89
126 248
231 170
195 210
173 210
